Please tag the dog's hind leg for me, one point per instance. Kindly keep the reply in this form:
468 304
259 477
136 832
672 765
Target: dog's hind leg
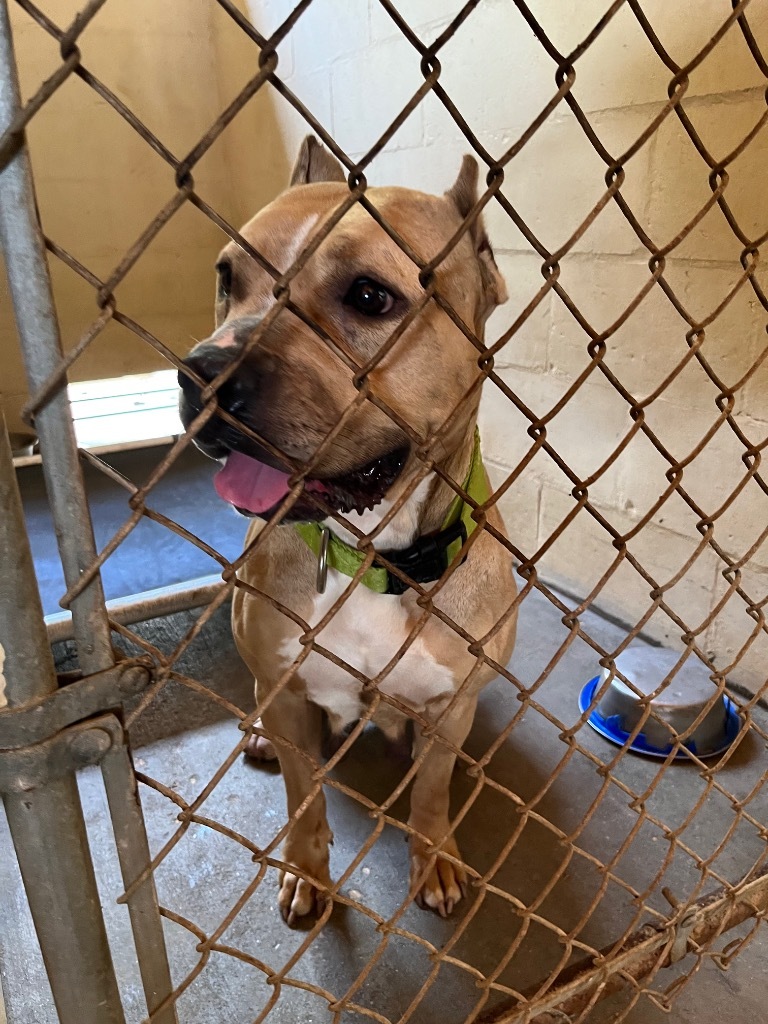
442 884
294 725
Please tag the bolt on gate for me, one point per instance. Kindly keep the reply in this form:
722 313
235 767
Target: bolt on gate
701 897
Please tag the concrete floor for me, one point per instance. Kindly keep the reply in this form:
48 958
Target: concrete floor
206 872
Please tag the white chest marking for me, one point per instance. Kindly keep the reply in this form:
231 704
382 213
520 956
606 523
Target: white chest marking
366 632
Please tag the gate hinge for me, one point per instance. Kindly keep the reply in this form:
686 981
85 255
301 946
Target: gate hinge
74 702
76 746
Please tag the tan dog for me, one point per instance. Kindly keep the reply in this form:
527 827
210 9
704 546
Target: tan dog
292 390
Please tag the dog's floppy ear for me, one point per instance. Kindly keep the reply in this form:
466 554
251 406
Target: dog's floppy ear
315 164
463 194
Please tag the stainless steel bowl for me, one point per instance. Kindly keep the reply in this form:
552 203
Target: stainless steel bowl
674 710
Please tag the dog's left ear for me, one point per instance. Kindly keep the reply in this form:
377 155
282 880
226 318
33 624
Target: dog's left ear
314 163
463 194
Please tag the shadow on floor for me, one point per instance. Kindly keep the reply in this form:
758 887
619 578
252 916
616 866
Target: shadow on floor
538 787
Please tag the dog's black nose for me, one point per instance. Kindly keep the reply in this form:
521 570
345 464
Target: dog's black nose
239 394
206 361
210 358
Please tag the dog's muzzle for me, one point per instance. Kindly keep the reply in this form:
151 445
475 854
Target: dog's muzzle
238 393
252 479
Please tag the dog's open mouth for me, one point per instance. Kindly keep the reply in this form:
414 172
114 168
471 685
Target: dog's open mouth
255 488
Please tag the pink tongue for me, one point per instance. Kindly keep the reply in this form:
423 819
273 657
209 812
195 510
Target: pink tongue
250 484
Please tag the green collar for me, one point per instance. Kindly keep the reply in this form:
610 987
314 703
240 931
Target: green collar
427 558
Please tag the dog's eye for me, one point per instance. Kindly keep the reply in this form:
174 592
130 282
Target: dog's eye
224 270
369 297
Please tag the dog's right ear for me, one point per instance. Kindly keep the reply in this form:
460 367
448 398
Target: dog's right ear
315 164
463 195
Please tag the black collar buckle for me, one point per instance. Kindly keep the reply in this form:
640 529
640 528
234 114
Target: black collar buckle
426 559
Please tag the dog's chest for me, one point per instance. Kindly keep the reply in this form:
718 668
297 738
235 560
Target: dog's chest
367 632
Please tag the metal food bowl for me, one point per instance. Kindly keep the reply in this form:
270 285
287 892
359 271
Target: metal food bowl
674 710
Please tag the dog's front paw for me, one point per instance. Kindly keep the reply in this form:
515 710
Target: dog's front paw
445 883
298 898
259 748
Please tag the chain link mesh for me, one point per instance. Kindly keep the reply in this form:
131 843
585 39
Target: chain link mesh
651 812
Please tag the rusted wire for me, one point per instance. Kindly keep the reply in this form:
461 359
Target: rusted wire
479 770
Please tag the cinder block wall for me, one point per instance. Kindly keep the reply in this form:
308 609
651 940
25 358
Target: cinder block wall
356 73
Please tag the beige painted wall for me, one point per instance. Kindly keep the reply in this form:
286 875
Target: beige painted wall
176 64
358 71
179 62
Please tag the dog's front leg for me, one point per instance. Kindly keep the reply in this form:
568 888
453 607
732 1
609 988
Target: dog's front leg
294 725
444 883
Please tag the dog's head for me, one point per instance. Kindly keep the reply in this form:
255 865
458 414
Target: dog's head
292 388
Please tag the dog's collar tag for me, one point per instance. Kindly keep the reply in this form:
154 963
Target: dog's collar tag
424 561
322 560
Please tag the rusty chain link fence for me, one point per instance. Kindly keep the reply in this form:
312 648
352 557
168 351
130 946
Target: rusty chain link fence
655 934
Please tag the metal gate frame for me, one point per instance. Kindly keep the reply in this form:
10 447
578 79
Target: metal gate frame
47 733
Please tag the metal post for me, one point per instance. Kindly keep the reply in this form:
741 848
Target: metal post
36 322
27 667
47 823
134 855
